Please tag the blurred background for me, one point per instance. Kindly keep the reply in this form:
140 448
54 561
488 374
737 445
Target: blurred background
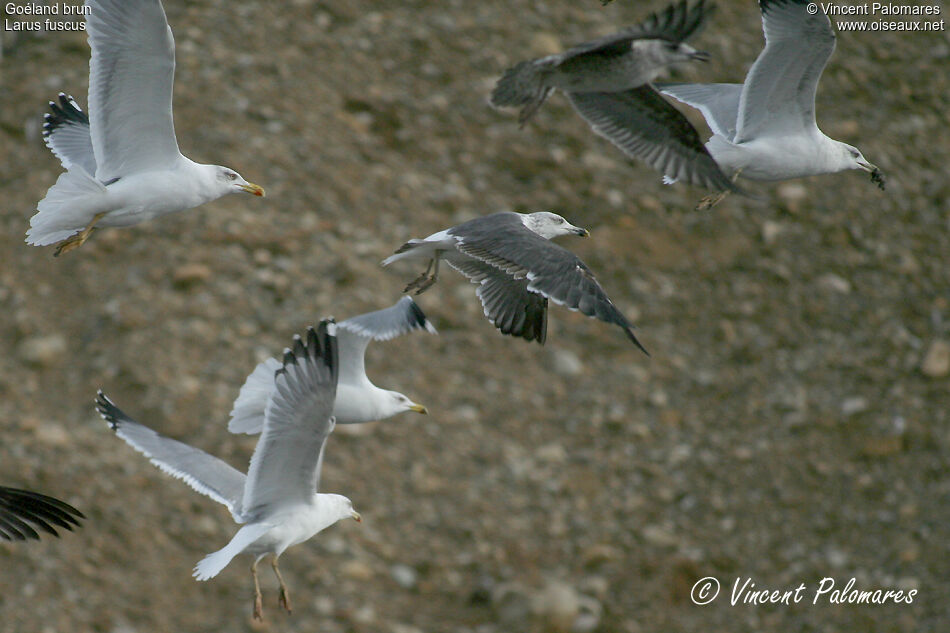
790 425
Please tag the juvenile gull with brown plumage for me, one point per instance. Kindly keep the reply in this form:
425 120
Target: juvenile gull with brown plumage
607 80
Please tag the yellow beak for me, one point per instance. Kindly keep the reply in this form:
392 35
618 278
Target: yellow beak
251 188
418 408
356 516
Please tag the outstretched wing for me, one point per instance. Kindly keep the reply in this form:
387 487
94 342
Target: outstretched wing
298 419
778 97
131 72
354 334
719 103
502 241
66 132
506 300
677 23
22 511
645 127
205 473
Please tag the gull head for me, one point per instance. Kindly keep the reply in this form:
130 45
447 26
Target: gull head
852 158
339 507
229 181
549 225
397 403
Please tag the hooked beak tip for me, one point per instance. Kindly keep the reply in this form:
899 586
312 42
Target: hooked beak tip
253 189
356 516
700 56
418 408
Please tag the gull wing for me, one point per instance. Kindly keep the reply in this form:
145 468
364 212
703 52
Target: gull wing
203 472
778 98
677 23
66 132
718 103
506 300
354 334
646 127
131 72
247 414
502 241
285 468
21 511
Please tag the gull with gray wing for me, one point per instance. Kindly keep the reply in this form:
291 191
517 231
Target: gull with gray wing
517 270
607 80
764 129
122 162
277 501
357 398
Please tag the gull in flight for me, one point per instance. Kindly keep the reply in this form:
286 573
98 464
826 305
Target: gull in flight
22 511
608 81
357 399
765 129
277 501
517 270
122 161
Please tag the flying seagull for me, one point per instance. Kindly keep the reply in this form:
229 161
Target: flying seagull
357 399
122 161
277 501
22 511
765 129
517 270
607 80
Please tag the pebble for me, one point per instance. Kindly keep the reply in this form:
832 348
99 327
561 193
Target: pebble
404 575
567 363
43 351
936 362
190 274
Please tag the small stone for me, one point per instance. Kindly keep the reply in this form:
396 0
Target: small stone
510 603
792 194
557 606
356 570
835 283
190 274
936 363
43 351
854 405
771 230
659 536
404 575
566 363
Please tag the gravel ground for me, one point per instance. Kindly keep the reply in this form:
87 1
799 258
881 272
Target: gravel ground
790 425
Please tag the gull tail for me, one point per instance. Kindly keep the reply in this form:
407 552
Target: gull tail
212 564
522 85
68 207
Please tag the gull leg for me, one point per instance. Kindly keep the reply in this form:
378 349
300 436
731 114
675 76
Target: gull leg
422 283
284 592
715 198
77 240
258 599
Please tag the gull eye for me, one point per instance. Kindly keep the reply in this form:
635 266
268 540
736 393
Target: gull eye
232 175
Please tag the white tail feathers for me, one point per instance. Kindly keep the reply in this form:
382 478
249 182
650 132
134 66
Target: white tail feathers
212 564
68 207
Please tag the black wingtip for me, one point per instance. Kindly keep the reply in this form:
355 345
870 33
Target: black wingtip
633 338
417 318
67 111
107 410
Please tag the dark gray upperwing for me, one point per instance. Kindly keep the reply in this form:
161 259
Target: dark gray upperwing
677 23
508 303
646 127
551 271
